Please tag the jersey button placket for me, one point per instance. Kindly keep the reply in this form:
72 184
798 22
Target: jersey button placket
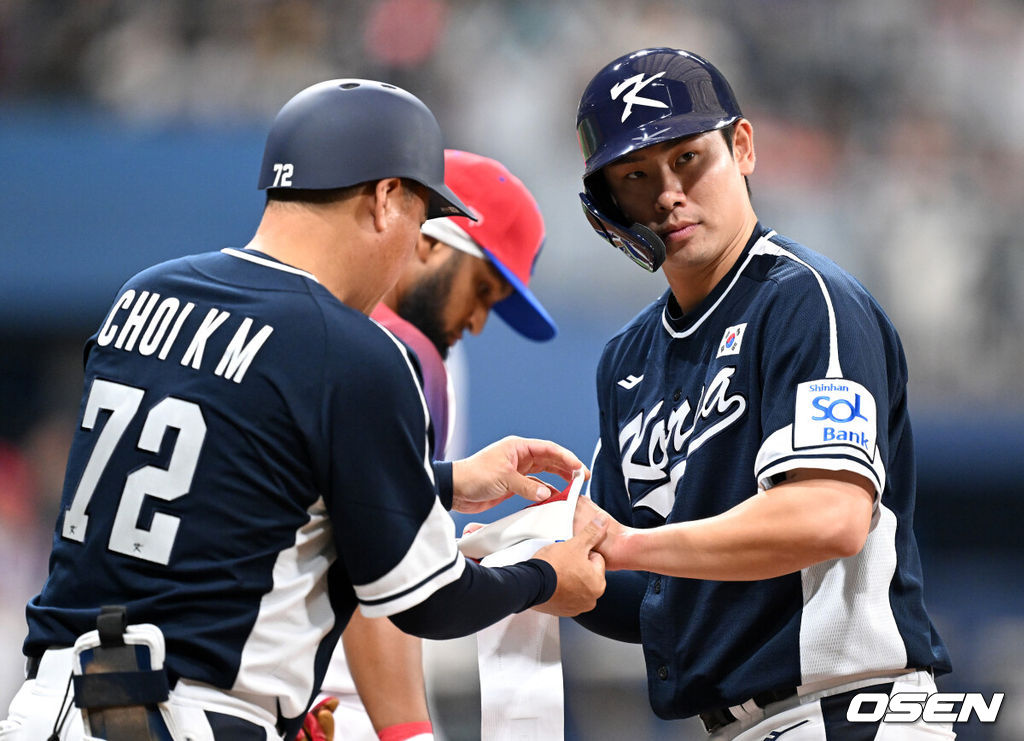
663 672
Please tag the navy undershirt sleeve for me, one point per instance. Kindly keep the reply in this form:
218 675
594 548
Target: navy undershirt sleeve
443 479
480 597
617 614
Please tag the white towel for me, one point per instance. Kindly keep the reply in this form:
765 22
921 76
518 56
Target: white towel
520 657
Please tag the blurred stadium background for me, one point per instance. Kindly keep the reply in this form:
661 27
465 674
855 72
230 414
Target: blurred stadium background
131 131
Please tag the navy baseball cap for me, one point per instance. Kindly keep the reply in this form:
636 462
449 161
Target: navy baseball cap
508 231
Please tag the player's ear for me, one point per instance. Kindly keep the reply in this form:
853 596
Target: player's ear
387 202
743 146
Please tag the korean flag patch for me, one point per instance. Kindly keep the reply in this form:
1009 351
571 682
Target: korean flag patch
835 411
731 340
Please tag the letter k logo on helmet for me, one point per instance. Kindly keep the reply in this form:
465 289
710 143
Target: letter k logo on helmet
633 96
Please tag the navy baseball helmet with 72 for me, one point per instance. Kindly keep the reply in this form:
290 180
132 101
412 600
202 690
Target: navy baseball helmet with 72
344 132
643 98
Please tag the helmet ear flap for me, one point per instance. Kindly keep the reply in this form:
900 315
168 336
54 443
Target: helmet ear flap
637 242
654 244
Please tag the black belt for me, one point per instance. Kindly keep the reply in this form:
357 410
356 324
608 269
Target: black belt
715 719
32 666
32 663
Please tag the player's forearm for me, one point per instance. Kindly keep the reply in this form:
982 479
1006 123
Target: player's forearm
387 667
480 597
789 528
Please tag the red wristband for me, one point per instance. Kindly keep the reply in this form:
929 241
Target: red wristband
404 731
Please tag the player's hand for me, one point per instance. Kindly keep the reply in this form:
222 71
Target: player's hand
319 722
502 470
611 545
580 571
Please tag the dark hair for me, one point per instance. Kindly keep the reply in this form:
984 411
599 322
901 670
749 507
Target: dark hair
319 197
728 133
329 195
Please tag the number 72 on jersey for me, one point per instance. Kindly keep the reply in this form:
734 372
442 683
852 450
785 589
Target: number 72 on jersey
123 402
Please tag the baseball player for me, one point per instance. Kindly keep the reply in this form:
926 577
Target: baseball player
755 443
253 460
461 270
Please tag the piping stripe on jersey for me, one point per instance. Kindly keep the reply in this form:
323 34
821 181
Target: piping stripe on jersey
764 246
777 454
414 587
406 585
819 460
696 325
432 561
593 462
834 369
423 399
268 263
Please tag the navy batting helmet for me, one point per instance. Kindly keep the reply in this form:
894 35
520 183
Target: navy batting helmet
643 98
344 132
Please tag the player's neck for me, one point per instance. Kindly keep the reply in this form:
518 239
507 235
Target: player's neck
692 277
391 298
327 246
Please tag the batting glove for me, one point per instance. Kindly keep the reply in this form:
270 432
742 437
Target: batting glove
319 722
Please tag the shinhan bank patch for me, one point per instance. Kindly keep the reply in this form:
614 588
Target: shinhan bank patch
834 411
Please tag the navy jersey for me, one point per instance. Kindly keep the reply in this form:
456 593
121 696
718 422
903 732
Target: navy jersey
252 458
789 363
437 388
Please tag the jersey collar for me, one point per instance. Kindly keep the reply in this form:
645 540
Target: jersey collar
262 258
680 325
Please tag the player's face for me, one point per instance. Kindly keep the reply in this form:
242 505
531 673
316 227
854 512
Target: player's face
691 192
476 287
456 293
403 233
